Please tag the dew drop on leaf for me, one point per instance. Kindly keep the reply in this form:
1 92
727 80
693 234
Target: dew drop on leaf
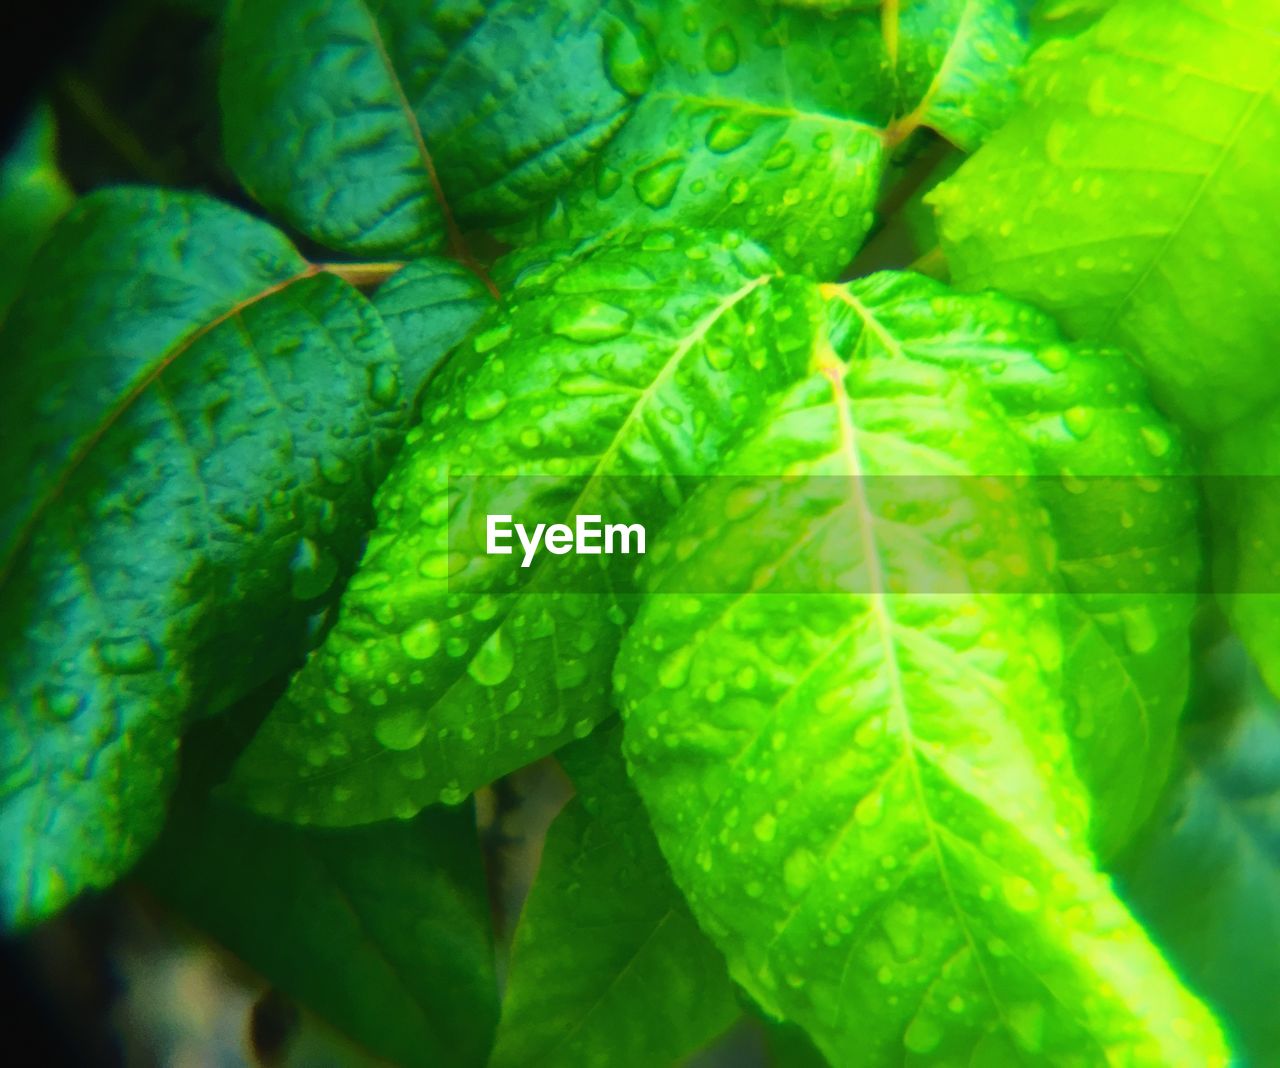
494 660
128 655
422 640
311 571
401 731
384 384
656 185
589 321
721 52
483 406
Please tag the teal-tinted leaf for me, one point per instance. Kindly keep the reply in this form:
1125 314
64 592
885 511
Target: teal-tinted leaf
373 127
1119 489
33 196
955 60
1134 197
866 796
193 424
608 967
383 931
775 121
1205 878
428 308
448 667
760 119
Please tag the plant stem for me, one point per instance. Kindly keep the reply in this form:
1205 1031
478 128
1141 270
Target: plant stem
362 275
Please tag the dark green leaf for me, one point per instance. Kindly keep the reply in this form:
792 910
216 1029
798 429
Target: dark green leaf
33 196
375 126
382 931
608 967
776 121
193 427
428 308
1205 878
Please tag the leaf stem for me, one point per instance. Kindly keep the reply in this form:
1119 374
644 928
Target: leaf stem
362 275
889 28
932 263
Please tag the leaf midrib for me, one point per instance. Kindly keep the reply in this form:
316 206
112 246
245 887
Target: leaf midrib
130 395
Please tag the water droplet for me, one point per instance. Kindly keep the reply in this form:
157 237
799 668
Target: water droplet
336 469
312 570
490 339
128 655
923 1035
494 660
656 184
1157 440
1140 630
60 704
870 809
901 923
798 871
1054 357
401 731
483 405
1079 420
629 57
586 320
422 640
1021 895
766 827
673 672
384 384
728 133
721 51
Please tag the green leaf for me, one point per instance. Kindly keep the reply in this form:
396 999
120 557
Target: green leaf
767 120
954 59
195 420
428 308
1134 198
1244 469
1120 492
774 121
609 367
1205 879
33 196
866 796
734 115
1065 18
608 967
376 127
383 931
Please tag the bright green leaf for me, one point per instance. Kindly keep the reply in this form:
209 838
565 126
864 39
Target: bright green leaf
195 419
867 796
1121 497
383 931
608 967
1205 878
33 196
1244 465
375 127
1134 197
447 669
